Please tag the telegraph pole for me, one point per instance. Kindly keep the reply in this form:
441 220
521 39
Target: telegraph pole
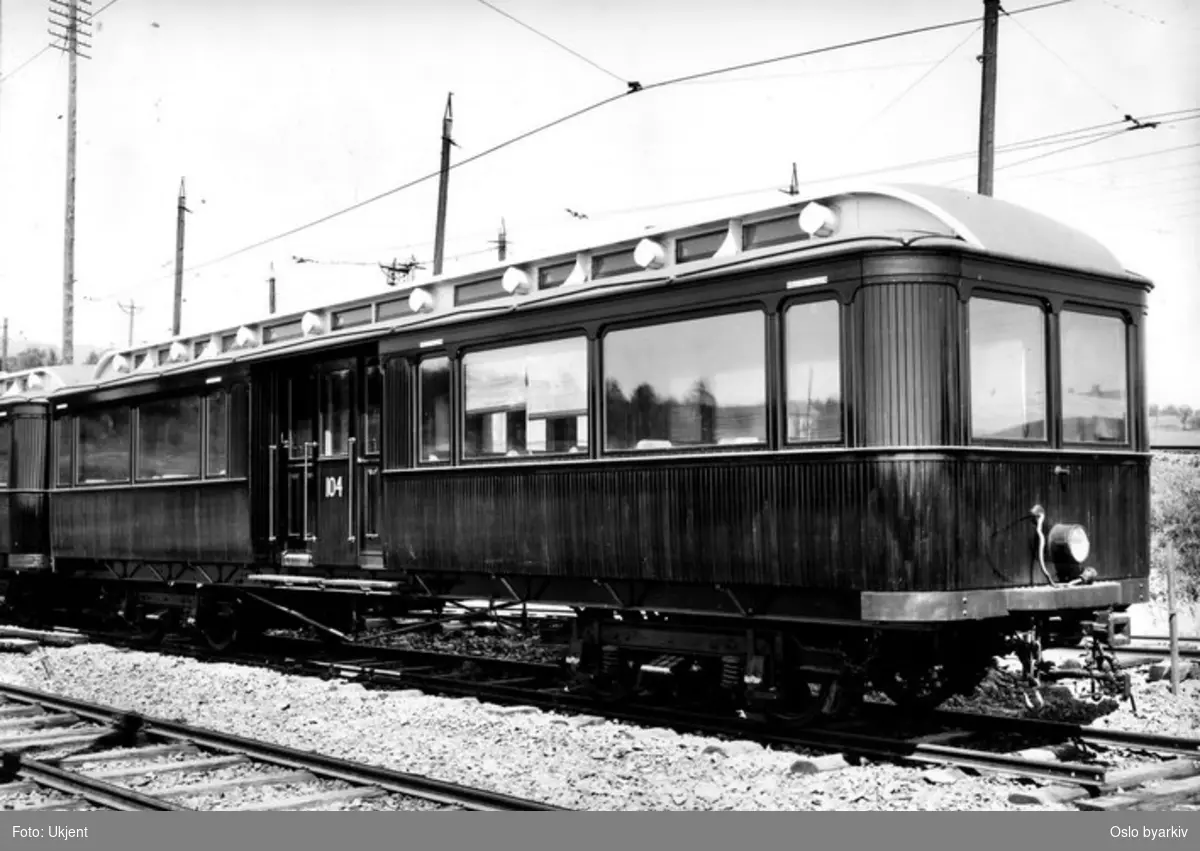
271 292
987 108
439 241
502 241
73 22
132 309
4 347
180 209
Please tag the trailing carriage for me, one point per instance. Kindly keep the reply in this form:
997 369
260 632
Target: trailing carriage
873 437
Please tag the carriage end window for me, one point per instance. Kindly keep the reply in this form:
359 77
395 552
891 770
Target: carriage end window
690 383
526 400
814 379
1008 370
435 410
1095 401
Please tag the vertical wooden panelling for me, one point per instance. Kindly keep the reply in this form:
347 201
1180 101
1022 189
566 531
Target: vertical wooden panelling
187 522
855 522
906 370
396 414
24 513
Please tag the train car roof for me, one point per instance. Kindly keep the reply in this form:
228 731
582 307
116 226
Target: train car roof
839 221
40 382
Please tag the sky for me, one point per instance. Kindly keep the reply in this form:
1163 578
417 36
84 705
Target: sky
281 113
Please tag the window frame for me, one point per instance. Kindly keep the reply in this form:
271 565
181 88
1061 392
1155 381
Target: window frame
670 318
202 437
785 444
130 446
584 453
1121 316
70 420
206 425
454 441
1049 332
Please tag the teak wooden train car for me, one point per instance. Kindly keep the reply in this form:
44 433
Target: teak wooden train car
887 431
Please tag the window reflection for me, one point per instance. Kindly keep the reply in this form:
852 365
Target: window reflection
699 382
1008 370
435 410
1094 401
169 439
526 400
104 446
814 379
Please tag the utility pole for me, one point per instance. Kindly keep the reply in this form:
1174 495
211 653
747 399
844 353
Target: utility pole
987 107
4 347
132 309
502 241
180 209
271 292
73 22
439 240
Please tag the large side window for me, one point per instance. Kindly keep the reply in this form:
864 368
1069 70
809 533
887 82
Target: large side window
695 382
1008 370
169 439
336 405
217 463
435 410
1095 402
64 428
104 446
5 452
526 400
814 376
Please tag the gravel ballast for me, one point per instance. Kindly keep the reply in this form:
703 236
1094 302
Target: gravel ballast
572 761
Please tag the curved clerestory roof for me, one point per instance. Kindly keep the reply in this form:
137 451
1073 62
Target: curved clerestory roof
903 214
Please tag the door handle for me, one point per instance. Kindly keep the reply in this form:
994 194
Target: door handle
271 450
350 538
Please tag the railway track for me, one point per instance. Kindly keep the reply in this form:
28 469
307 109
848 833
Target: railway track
60 753
1059 753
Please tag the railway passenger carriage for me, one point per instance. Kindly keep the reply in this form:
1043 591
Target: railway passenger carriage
877 434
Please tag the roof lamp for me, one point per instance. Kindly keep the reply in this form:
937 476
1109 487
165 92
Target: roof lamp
34 382
310 324
516 281
420 300
178 353
245 338
650 254
120 363
818 220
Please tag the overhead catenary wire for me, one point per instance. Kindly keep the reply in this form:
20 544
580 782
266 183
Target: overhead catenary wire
552 40
1095 132
1064 62
48 47
633 87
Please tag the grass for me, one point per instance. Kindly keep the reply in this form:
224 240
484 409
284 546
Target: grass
1175 527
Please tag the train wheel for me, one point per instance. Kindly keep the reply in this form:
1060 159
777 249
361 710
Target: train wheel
220 633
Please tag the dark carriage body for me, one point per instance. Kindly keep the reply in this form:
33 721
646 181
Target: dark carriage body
24 465
907 407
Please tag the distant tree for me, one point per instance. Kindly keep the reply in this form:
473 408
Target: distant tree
1185 413
93 358
35 357
1171 411
1154 412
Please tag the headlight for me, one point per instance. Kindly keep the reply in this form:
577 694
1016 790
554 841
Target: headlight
1069 543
